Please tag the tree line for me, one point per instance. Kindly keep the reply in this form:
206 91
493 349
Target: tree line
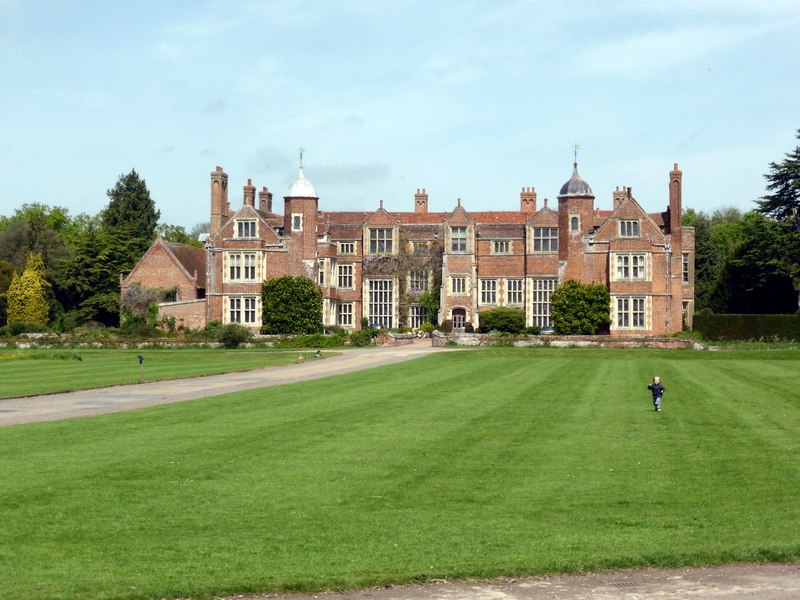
74 262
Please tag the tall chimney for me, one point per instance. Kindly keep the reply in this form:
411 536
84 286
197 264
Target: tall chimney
620 193
250 194
527 200
265 200
421 201
219 199
675 208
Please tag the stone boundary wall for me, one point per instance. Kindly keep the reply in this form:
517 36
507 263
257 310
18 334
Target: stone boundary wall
563 341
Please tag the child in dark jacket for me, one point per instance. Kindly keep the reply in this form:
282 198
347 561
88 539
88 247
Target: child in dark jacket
658 391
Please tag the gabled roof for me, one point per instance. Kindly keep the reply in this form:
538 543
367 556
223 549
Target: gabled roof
191 258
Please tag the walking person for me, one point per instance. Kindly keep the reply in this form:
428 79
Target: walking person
658 391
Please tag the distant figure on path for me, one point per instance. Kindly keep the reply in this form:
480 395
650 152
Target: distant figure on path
658 391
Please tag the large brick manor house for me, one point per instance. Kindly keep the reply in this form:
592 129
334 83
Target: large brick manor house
379 264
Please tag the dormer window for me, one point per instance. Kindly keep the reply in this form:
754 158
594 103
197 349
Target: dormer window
380 241
458 239
246 229
629 228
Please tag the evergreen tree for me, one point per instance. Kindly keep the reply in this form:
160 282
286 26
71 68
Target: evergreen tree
27 294
131 212
580 309
291 305
783 180
90 279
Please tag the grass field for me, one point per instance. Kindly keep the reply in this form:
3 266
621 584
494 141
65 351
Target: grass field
463 464
25 372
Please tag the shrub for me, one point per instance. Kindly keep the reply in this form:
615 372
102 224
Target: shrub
446 326
427 327
361 338
579 308
511 320
311 341
533 330
233 335
747 327
468 328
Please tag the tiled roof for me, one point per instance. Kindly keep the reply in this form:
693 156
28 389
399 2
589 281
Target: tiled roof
192 259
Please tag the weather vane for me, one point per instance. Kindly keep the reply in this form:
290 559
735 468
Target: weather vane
301 150
575 148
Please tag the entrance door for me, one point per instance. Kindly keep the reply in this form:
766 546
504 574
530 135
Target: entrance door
459 319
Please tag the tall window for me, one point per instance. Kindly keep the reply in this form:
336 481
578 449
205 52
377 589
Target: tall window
540 309
417 315
242 310
418 281
685 267
631 266
629 228
235 315
631 313
347 248
246 229
515 293
242 266
297 222
545 239
488 291
458 285
574 224
249 310
380 241
381 303
501 247
458 239
322 272
345 277
345 316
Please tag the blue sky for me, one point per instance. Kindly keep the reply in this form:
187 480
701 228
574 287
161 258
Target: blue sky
468 99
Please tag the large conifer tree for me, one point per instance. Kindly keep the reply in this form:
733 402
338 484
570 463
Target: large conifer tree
131 211
783 180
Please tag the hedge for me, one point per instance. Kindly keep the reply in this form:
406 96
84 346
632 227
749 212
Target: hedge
748 327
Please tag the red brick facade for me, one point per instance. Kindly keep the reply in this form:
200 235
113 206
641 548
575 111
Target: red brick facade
377 264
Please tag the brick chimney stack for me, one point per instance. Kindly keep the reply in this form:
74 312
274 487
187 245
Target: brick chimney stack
620 193
219 199
675 208
250 194
527 200
421 201
265 200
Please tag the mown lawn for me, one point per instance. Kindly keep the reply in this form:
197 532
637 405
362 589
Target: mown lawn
462 464
26 372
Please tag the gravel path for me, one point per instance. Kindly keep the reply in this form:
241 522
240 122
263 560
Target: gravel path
55 407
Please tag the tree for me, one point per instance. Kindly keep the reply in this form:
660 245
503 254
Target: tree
177 235
783 180
131 211
580 309
27 299
503 318
291 305
761 273
90 279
